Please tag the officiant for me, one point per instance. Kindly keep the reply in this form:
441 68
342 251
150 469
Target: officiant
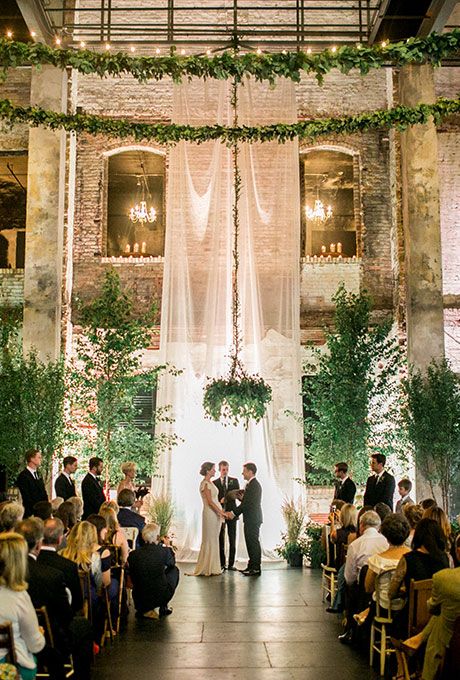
225 485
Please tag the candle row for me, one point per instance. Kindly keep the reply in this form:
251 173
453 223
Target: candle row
136 248
334 247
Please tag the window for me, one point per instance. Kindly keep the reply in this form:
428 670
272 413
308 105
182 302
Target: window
135 204
329 203
13 198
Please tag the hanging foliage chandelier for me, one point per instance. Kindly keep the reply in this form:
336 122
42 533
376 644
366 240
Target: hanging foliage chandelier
238 397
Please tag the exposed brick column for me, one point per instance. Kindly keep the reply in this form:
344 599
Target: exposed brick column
422 229
45 220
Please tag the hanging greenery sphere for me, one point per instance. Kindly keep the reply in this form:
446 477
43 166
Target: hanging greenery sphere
237 399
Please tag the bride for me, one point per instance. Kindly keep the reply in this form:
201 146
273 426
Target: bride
209 558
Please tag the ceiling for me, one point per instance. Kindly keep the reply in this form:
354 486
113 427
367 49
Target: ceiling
217 24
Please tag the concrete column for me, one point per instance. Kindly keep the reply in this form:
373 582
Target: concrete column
45 220
422 230
422 225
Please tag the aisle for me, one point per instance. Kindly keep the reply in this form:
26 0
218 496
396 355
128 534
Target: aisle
231 627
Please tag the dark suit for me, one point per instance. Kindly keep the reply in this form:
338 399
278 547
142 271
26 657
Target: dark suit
380 492
345 491
64 487
228 505
251 509
32 491
93 495
154 576
69 570
129 518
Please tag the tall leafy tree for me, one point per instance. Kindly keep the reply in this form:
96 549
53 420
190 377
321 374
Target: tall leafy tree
432 417
106 377
352 395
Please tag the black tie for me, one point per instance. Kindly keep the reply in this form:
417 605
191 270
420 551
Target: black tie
224 485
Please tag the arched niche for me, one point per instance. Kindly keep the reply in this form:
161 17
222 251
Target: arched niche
135 174
330 184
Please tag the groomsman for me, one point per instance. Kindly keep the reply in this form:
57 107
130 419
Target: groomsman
91 488
380 487
345 488
251 509
225 484
30 483
64 485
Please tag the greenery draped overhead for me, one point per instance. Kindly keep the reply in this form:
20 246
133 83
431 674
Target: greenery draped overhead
262 66
399 117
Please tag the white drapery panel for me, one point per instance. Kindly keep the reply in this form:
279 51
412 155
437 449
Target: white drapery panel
196 329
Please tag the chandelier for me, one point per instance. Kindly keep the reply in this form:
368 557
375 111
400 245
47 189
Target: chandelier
139 212
319 213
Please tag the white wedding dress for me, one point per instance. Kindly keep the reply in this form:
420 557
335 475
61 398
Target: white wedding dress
209 558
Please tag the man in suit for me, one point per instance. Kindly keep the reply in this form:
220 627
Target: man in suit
64 485
49 557
153 572
91 488
47 588
126 515
30 483
380 487
225 484
345 488
251 509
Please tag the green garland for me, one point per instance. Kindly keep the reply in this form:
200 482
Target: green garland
399 117
264 66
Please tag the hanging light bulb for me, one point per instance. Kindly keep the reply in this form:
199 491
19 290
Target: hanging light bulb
139 212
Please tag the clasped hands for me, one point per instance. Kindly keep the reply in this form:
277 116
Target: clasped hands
229 515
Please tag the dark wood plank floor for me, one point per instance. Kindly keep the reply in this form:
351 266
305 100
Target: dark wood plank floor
230 627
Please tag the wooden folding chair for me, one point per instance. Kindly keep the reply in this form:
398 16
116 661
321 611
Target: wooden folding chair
419 615
7 642
108 631
329 572
131 534
380 638
44 622
85 585
117 568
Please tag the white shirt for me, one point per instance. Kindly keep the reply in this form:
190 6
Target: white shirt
360 550
33 472
16 607
67 475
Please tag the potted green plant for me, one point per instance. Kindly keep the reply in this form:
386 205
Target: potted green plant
294 540
314 551
161 512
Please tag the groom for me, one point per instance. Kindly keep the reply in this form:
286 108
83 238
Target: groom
251 510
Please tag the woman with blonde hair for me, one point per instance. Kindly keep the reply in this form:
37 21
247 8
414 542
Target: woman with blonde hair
11 513
16 606
129 471
82 548
115 535
111 504
78 505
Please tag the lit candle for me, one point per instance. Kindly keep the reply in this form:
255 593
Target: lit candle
339 247
127 248
323 249
332 247
143 247
136 248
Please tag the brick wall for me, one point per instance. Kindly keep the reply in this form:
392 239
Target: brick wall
11 287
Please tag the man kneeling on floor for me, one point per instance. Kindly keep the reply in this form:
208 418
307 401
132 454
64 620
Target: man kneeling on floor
154 574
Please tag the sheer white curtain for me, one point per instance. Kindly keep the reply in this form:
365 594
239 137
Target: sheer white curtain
196 331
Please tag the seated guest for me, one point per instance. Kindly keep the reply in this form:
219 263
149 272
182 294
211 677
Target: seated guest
444 605
49 556
413 514
67 513
16 606
369 542
101 528
111 504
82 548
428 503
404 489
115 535
345 488
127 517
10 514
441 518
46 588
78 505
153 573
395 528
354 535
382 510
64 484
340 537
334 516
43 510
56 503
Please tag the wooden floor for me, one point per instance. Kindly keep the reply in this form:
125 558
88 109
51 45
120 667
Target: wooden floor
230 627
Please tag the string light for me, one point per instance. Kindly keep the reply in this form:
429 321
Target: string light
309 50
32 34
9 34
82 43
358 46
384 43
107 46
283 52
58 41
182 52
259 51
132 48
208 52
334 49
157 51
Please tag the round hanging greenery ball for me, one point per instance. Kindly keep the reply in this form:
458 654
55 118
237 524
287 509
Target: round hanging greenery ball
234 400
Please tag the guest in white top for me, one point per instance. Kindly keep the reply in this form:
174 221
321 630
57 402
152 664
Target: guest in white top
396 529
369 542
16 606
